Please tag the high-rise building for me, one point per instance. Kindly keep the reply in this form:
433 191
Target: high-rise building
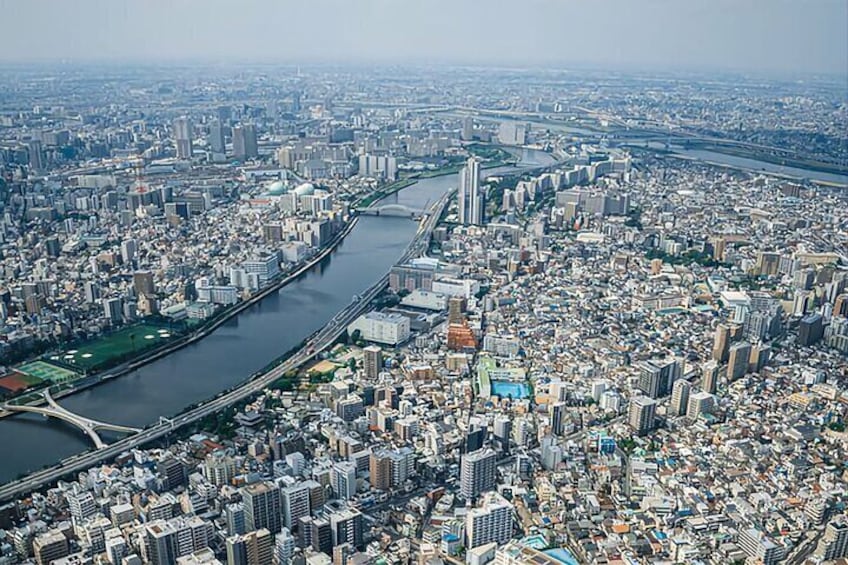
737 363
373 361
477 473
467 128
759 547
321 535
642 413
284 547
680 397
296 502
219 468
503 431
470 198
456 306
245 144
810 329
143 283
834 543
657 377
709 376
252 548
347 526
491 522
36 154
721 343
262 506
557 415
182 137
343 479
700 402
216 137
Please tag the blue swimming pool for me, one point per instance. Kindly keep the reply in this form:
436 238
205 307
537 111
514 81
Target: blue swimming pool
506 389
562 555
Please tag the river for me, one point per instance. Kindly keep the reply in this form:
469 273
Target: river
237 349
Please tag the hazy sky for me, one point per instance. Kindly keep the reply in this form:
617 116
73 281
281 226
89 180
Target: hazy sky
768 35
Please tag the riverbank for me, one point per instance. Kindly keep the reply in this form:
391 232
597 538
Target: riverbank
146 358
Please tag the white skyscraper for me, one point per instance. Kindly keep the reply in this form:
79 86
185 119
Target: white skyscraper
471 202
182 137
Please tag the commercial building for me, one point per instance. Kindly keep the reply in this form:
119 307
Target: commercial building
379 327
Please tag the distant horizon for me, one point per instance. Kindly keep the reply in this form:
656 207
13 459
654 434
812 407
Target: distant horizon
774 37
562 67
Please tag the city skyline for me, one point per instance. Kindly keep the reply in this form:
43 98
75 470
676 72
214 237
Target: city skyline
781 37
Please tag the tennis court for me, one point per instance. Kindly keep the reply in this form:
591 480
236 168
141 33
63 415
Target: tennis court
48 372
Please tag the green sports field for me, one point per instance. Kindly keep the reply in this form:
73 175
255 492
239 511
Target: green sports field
121 344
43 371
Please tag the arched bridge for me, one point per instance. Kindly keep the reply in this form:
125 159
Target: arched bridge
396 210
87 425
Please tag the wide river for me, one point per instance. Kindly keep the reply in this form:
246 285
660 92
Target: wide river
237 349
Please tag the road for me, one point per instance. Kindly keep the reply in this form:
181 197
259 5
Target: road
318 342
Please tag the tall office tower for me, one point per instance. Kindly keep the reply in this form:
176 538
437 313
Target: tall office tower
737 361
380 470
36 155
284 547
657 377
557 415
373 361
470 198
262 506
834 543
467 128
182 137
343 479
680 397
92 292
245 145
700 402
252 548
503 430
216 137
721 343
709 376
477 473
129 248
295 103
456 306
295 503
491 522
810 329
347 526
224 114
641 415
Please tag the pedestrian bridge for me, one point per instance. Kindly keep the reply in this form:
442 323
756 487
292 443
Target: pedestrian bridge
89 426
395 210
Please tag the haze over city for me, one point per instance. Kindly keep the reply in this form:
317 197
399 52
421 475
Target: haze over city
782 36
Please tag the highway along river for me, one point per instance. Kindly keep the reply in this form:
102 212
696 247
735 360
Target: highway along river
237 349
